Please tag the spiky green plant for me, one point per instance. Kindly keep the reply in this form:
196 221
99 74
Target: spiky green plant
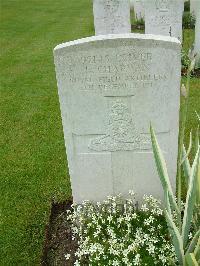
187 251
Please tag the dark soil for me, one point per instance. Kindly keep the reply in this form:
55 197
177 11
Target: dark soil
137 27
141 27
58 237
195 73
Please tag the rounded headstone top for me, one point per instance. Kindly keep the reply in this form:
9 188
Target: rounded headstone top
151 37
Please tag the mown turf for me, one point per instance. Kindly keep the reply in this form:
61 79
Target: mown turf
32 153
194 96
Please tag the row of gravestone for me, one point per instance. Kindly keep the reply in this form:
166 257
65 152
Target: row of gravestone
110 88
197 32
139 8
161 17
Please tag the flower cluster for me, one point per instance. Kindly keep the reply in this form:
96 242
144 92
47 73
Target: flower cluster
117 232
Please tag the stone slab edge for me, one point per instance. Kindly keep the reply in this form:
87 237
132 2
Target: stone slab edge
151 37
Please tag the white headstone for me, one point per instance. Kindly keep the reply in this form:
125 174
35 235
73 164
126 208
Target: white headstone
197 34
110 88
194 7
164 17
111 16
132 4
139 9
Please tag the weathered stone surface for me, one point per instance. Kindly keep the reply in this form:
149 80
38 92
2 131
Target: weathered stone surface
139 9
164 17
132 4
197 34
194 7
111 16
110 88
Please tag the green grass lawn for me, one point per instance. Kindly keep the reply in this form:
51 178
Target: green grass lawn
32 153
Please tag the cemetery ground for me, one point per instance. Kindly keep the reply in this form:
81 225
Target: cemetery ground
32 153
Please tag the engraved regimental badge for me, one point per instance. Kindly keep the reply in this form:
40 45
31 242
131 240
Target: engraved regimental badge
121 132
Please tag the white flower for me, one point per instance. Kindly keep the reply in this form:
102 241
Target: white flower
136 261
109 218
144 208
149 220
97 258
190 235
96 234
125 260
151 249
67 256
98 204
134 215
112 234
131 192
115 263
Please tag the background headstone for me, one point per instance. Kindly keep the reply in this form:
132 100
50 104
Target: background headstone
111 16
197 34
164 17
139 9
194 7
132 4
110 88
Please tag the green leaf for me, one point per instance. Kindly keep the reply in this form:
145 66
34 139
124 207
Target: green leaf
198 174
190 200
176 238
193 243
192 65
185 156
197 139
186 167
198 184
198 116
197 250
162 170
171 262
167 202
190 260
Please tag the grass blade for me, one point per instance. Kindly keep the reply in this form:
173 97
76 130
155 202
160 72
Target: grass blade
186 167
190 200
198 116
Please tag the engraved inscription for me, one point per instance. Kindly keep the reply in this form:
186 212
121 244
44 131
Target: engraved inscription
162 5
119 74
164 19
110 130
165 14
111 25
111 10
111 7
111 16
121 132
160 20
